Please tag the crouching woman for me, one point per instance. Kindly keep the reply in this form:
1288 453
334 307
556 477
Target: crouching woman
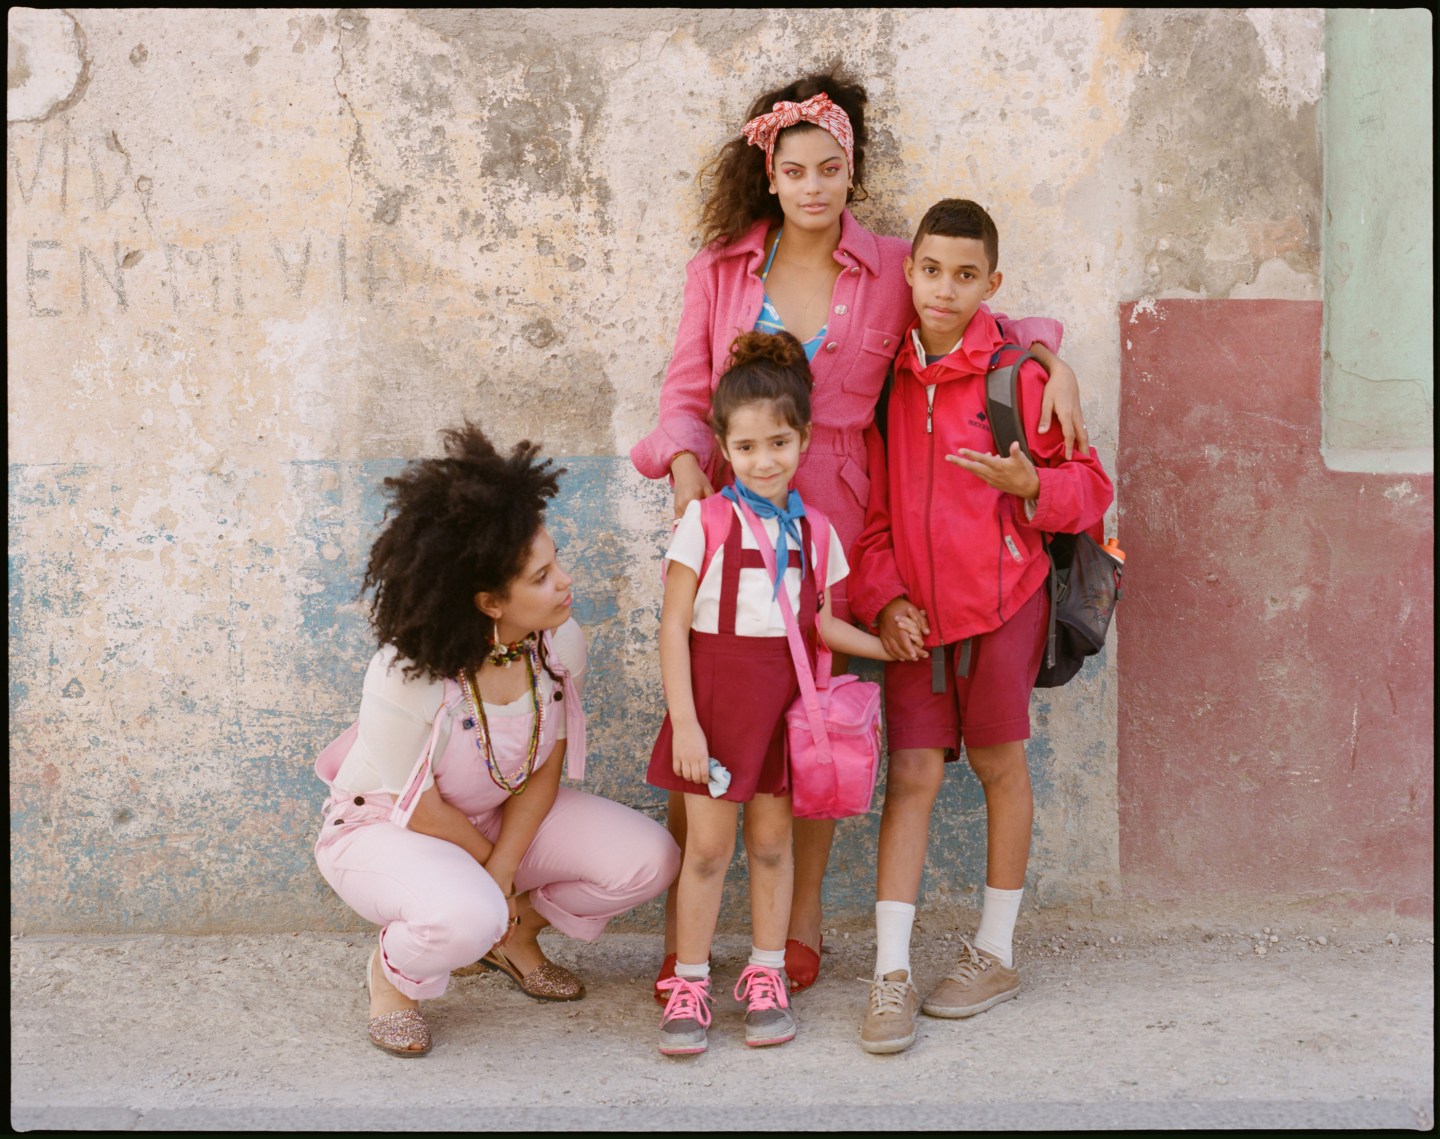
447 824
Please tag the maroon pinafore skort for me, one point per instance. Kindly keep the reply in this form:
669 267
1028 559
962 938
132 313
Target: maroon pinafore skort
742 686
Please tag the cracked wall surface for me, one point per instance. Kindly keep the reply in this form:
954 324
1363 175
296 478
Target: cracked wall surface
258 258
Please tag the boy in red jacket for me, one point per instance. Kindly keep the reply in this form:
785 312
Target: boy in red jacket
950 569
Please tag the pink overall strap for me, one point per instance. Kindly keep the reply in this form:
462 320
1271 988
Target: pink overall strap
803 671
574 713
408 799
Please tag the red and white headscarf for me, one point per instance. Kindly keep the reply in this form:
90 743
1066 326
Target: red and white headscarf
763 130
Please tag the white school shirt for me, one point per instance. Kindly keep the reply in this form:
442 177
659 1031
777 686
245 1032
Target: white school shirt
396 714
757 609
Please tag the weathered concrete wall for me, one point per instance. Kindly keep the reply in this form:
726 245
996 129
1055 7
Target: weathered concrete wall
258 258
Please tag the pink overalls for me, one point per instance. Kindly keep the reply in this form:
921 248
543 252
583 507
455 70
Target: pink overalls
591 858
742 686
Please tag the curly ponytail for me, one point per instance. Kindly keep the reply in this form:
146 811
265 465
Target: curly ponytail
764 367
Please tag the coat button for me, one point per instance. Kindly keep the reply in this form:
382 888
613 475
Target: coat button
338 822
854 269
559 695
831 346
359 800
840 310
887 342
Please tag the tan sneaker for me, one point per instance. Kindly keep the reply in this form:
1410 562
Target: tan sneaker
890 1019
977 982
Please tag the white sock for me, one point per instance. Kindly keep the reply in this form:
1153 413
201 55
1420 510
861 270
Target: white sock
769 958
997 923
893 922
692 972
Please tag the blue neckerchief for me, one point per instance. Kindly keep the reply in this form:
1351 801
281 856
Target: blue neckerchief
789 519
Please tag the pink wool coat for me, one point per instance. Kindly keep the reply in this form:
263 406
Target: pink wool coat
870 310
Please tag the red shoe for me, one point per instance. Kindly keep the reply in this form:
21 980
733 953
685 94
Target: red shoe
667 970
802 964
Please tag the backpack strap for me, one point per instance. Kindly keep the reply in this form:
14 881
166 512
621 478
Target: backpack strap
716 515
1002 407
1002 398
820 535
882 405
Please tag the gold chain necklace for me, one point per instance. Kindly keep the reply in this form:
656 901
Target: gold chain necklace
829 281
517 783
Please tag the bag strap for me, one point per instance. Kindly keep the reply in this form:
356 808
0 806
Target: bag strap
1002 407
803 673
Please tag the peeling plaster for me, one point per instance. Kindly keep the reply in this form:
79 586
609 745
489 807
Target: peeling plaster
47 68
1294 55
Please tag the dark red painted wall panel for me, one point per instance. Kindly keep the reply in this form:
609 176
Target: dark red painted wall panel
1276 644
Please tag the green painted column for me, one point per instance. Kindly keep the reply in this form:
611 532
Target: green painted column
1379 375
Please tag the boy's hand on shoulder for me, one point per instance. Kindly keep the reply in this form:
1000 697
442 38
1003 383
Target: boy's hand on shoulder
1013 474
902 630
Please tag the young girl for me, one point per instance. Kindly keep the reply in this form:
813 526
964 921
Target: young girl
729 677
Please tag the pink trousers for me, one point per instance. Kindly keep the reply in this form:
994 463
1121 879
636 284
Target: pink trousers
592 859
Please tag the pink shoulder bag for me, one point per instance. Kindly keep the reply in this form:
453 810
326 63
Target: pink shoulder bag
833 727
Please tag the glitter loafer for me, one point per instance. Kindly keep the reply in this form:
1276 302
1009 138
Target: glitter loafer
546 982
401 1032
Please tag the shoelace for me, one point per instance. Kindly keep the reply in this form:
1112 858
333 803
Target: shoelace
970 964
689 1000
762 988
886 996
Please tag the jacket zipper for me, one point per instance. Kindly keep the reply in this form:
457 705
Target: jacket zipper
929 500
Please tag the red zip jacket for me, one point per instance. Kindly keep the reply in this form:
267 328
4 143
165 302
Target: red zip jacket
956 547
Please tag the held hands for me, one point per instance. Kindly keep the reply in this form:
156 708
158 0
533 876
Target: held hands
689 752
1014 474
902 630
690 483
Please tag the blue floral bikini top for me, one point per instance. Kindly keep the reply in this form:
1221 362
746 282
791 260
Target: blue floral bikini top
769 320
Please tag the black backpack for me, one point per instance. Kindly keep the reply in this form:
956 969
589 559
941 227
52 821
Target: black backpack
1084 578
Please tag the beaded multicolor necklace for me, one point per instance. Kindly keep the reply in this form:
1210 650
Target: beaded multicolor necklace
503 654
516 783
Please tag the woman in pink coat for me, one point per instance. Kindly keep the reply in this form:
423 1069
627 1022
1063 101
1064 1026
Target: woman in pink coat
781 250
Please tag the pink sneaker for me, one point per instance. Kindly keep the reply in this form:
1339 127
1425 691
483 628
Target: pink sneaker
686 1016
768 1019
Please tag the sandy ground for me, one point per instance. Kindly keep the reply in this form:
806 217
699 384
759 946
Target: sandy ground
1126 1019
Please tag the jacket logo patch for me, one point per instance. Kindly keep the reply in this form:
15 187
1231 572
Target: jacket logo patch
980 420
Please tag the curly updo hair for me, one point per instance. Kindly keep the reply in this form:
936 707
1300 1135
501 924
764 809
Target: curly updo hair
454 527
764 367
737 192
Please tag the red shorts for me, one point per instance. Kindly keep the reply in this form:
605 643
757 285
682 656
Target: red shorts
990 706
